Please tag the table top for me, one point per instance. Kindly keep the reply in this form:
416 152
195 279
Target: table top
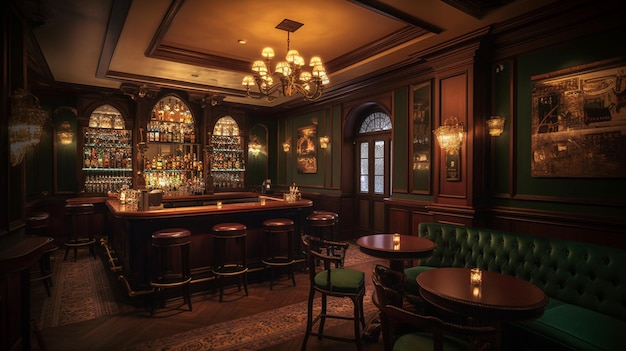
499 297
382 246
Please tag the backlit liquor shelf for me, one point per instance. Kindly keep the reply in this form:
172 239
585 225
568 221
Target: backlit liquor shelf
107 159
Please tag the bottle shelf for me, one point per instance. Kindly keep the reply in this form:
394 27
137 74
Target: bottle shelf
95 169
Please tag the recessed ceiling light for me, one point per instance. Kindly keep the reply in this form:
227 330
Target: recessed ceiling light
242 41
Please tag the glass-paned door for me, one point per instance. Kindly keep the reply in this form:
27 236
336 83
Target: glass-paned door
374 159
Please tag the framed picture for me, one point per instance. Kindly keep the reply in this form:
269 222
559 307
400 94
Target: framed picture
306 150
579 122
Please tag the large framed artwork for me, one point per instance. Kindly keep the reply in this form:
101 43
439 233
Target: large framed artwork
306 149
579 122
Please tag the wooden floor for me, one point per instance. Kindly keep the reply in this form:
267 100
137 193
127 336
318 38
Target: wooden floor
133 325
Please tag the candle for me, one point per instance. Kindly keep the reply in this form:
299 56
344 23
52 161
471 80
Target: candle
219 204
476 276
476 291
262 201
396 239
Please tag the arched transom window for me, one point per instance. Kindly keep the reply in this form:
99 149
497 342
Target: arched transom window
375 122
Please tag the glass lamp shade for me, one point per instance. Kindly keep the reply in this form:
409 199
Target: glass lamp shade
495 124
268 53
65 133
324 141
450 137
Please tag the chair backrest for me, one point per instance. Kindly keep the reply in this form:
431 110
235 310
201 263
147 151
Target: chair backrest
393 316
318 250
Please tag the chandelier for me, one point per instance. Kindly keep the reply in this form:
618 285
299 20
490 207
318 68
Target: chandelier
450 135
25 124
289 74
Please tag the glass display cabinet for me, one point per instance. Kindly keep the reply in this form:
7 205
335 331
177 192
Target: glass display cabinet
173 159
107 161
228 164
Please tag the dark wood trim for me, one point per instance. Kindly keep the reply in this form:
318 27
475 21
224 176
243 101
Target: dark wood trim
392 12
119 11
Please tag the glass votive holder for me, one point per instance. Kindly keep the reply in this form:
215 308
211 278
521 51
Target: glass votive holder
262 201
396 239
476 276
219 204
476 291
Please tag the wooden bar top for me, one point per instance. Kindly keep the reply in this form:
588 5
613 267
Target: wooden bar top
247 204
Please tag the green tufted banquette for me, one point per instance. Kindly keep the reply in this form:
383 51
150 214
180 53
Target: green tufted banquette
586 283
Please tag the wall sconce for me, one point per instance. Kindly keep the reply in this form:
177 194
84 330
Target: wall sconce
287 145
450 135
25 124
324 141
65 133
495 124
254 146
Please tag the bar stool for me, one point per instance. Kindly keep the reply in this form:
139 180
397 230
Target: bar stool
225 265
166 272
80 233
322 226
277 230
37 225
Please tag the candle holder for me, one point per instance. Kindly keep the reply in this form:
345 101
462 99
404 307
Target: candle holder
476 276
262 201
396 242
396 239
476 291
219 204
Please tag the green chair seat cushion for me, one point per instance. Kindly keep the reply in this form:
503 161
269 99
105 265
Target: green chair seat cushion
410 282
424 341
579 328
343 280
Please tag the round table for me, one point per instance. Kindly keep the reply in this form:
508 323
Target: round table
499 297
409 248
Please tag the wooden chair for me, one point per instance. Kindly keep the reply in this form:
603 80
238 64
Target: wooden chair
405 329
332 280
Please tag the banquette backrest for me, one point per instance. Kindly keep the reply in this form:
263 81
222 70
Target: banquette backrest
578 273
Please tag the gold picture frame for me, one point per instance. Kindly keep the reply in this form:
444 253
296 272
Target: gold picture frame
306 150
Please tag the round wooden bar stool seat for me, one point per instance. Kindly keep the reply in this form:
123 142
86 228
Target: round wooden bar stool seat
166 272
322 225
280 250
229 254
80 231
37 224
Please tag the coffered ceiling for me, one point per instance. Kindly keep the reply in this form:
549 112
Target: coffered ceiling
193 45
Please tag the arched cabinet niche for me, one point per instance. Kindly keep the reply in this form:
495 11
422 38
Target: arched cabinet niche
228 164
107 159
172 161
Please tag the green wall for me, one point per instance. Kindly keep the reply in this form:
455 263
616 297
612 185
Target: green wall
559 194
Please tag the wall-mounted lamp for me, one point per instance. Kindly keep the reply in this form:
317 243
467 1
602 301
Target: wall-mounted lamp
25 124
324 141
287 145
495 124
450 135
254 146
65 133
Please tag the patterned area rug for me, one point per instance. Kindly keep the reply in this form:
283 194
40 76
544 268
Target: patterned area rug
263 329
254 332
80 292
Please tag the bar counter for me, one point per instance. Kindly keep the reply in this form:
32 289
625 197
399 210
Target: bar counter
130 230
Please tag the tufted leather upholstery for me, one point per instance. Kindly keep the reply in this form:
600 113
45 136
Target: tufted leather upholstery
586 283
585 275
